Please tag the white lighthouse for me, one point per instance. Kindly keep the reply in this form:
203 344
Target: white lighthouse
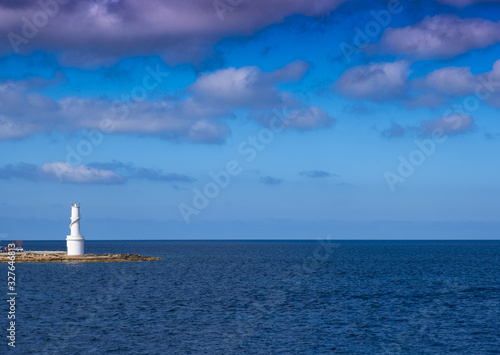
74 241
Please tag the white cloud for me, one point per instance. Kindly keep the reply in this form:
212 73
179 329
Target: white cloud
450 125
463 3
26 113
199 114
247 86
81 174
450 81
441 36
62 172
301 119
375 82
308 118
87 32
94 173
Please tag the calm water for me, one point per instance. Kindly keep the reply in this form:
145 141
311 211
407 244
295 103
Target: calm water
263 298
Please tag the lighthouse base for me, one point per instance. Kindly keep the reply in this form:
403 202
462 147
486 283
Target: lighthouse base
74 245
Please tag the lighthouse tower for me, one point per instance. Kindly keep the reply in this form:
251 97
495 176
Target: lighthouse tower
74 241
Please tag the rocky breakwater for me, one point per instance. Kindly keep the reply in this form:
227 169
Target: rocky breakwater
62 257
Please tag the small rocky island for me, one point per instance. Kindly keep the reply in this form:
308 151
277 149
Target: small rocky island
63 257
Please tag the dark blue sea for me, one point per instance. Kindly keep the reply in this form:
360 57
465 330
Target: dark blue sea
256 297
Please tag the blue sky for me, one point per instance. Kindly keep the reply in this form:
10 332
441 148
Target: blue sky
263 119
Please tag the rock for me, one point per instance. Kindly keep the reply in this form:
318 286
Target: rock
34 257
